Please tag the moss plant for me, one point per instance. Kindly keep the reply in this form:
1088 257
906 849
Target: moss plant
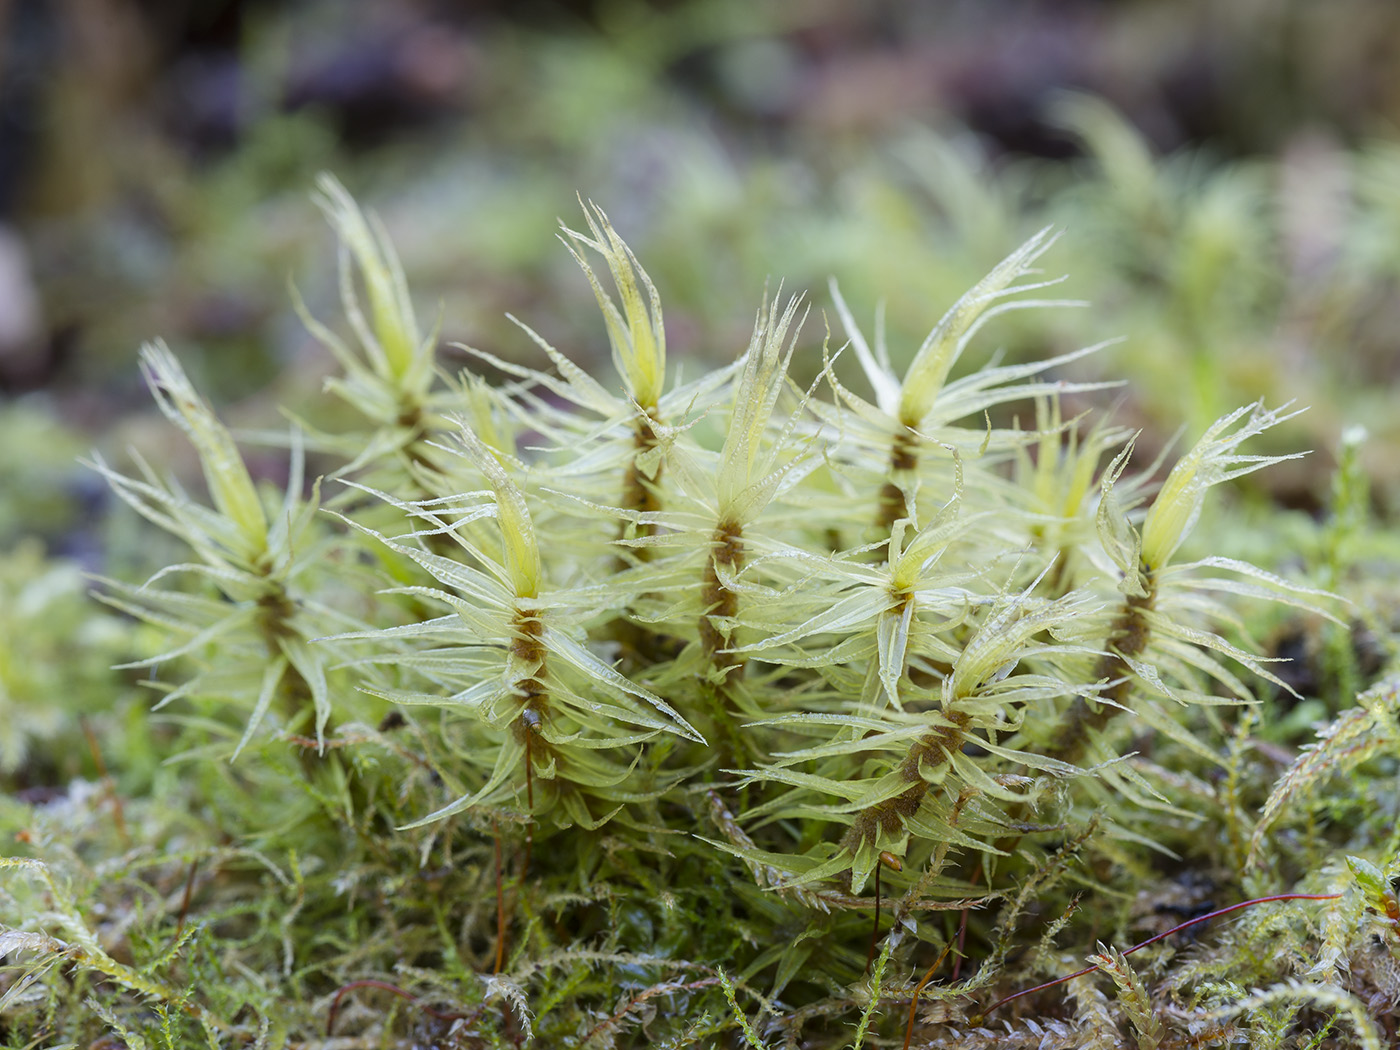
638 710
55 648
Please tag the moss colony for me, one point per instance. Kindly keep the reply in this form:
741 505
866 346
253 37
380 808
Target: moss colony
667 709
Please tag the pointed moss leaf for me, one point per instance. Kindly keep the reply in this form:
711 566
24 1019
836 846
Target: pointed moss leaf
1213 459
636 332
792 960
892 639
745 475
852 721
856 609
590 665
308 665
1044 763
877 371
896 739
824 785
229 483
578 386
233 621
1210 641
271 679
393 339
509 762
522 555
577 810
476 696
1149 675
941 348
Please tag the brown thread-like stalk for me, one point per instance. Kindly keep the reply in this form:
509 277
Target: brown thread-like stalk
108 784
185 900
918 990
500 902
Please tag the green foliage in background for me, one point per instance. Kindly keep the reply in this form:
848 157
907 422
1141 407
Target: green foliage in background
823 698
1232 279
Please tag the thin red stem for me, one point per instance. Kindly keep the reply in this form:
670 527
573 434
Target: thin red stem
500 905
1175 929
108 784
185 900
918 989
875 930
962 940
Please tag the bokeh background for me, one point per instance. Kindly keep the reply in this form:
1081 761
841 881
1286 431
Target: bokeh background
1227 177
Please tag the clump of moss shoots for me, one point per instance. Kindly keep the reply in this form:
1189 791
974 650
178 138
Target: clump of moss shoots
661 707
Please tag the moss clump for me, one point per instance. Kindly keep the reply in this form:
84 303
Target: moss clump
642 711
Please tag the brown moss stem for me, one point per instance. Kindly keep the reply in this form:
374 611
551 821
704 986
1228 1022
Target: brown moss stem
1127 638
719 601
935 748
904 457
274 621
527 646
639 492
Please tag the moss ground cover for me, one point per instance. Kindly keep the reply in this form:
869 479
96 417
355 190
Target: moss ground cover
826 697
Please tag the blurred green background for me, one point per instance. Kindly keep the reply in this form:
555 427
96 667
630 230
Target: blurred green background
1227 177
